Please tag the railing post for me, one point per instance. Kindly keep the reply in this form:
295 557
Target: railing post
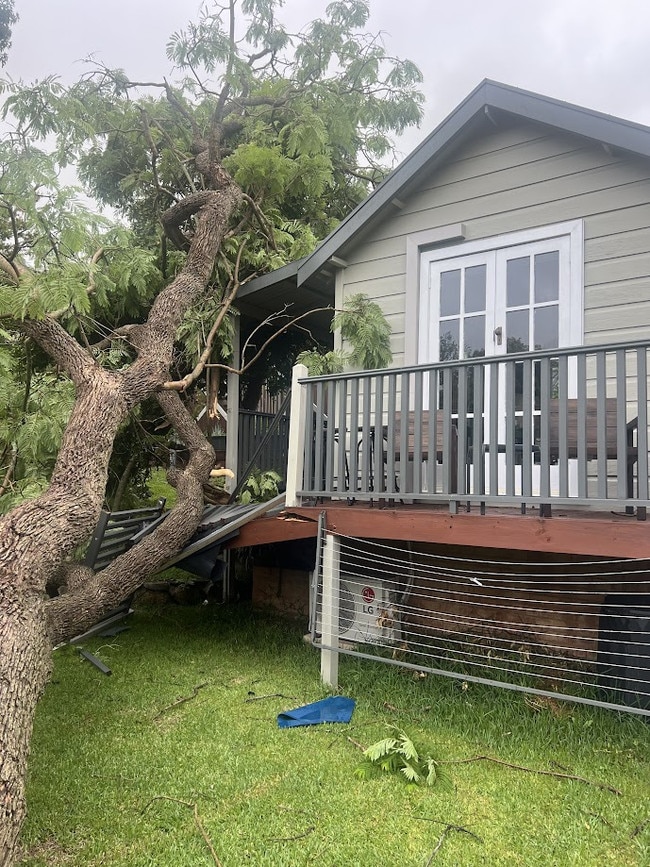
232 424
296 456
329 655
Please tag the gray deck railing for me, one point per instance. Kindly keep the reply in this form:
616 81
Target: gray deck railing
264 439
566 427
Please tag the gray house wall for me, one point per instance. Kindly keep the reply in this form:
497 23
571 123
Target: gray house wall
519 177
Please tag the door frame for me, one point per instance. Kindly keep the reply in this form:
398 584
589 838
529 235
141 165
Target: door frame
573 229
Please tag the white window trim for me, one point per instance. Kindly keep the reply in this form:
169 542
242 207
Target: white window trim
417 244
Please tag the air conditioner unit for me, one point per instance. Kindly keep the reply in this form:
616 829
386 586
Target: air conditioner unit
365 612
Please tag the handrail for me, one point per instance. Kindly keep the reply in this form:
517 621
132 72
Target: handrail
484 359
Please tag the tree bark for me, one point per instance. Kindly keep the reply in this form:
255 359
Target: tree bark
38 537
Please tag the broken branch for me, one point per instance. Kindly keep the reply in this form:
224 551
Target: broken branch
197 820
182 700
604 786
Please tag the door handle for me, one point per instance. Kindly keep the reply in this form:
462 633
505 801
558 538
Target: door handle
498 335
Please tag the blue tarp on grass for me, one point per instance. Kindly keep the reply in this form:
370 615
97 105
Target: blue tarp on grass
336 708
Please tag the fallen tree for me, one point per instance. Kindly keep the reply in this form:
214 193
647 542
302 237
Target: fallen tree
219 169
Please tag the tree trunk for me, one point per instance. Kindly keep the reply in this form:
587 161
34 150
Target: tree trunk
24 670
38 537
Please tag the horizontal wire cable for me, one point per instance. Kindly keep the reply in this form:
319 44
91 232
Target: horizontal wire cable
372 557
544 563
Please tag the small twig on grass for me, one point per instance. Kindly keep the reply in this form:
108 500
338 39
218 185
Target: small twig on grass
356 743
439 844
450 826
270 695
191 805
599 817
640 828
181 700
604 786
290 839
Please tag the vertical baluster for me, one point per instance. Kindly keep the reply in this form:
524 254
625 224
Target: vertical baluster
642 423
363 437
351 433
601 423
510 428
391 415
432 465
527 437
461 456
544 443
621 424
418 421
447 456
405 468
494 429
319 450
562 398
378 435
478 432
581 426
330 436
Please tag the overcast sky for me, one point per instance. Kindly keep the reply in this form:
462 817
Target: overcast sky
592 52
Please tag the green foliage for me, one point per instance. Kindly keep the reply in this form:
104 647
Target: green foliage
260 487
304 124
34 409
322 363
8 18
399 755
364 326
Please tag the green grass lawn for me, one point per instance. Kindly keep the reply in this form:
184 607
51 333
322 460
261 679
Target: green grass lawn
110 755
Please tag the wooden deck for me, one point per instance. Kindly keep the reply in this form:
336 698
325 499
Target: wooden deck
569 531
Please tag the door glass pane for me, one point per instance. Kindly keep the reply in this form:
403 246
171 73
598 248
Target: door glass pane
475 288
517 331
518 282
546 327
450 293
474 339
449 339
547 276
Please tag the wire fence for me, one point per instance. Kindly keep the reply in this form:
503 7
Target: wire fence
577 630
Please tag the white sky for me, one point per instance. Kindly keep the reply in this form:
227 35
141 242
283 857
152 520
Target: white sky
595 53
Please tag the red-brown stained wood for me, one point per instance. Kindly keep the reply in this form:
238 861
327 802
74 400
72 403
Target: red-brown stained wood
596 536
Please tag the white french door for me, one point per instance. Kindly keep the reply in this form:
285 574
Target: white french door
504 299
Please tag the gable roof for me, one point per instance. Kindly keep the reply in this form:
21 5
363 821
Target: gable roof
483 107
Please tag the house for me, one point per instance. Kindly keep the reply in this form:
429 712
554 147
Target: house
490 489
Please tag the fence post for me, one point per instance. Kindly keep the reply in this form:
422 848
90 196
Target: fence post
296 455
329 658
232 426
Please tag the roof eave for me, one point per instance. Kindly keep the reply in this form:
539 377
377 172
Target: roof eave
611 131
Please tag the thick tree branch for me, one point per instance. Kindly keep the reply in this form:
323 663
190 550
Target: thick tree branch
174 217
84 604
9 269
62 348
